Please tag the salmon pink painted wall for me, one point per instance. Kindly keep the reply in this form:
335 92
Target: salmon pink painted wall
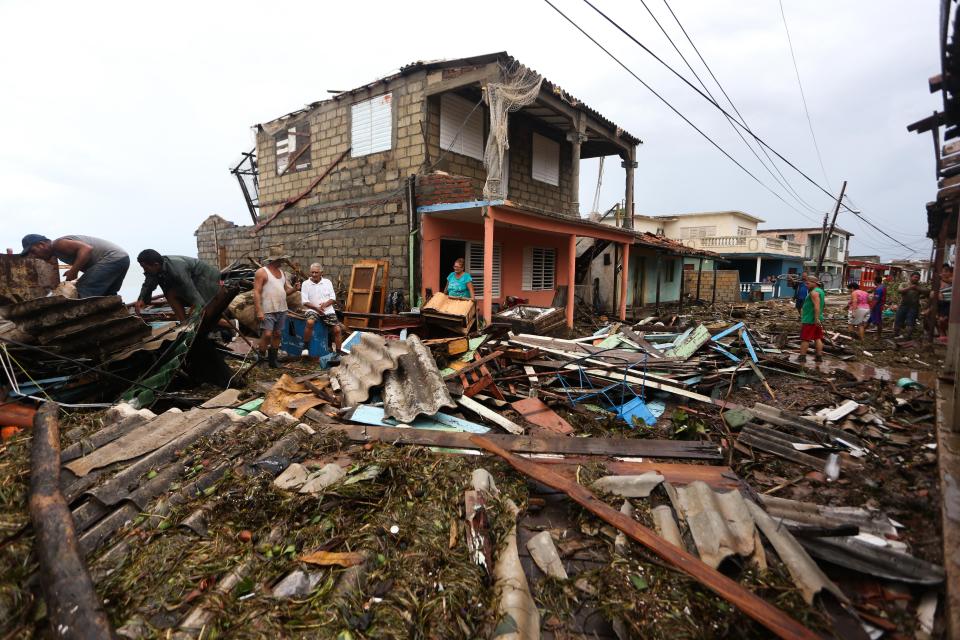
512 241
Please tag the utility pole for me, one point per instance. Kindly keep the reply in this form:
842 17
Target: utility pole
833 224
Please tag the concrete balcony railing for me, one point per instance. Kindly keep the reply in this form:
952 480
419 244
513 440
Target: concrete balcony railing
746 244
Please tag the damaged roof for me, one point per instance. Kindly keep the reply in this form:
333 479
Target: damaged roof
501 56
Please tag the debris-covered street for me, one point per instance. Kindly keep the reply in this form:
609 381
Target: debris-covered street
466 357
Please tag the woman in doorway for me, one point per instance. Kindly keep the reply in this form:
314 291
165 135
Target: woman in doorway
859 308
459 283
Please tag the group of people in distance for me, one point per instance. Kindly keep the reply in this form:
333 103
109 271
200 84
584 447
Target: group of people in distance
98 268
866 309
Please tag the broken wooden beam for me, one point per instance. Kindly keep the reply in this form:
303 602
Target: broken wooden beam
618 447
73 607
772 618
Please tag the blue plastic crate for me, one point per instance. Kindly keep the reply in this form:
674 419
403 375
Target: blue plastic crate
291 340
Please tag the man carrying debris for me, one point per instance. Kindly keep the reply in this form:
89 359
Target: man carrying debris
270 290
811 320
800 292
185 281
909 309
319 298
104 264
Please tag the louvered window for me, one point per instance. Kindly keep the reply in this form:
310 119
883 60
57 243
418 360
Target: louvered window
461 126
293 148
371 126
686 233
545 166
475 267
539 269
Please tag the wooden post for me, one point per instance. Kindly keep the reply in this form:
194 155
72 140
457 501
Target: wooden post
951 364
571 277
487 306
73 607
629 163
713 299
699 275
929 323
624 279
659 260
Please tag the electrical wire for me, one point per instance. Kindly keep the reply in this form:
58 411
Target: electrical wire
729 121
708 99
766 153
803 97
669 106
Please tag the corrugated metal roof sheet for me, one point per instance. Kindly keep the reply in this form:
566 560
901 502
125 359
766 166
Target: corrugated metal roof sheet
364 368
415 386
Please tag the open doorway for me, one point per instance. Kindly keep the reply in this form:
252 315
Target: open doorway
450 250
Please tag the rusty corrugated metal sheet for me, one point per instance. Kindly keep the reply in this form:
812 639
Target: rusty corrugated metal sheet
415 386
23 278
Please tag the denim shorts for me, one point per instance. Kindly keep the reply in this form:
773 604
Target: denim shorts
275 321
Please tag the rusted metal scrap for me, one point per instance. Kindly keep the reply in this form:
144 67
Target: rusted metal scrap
74 609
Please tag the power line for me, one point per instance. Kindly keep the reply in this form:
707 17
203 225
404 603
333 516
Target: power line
667 103
803 97
708 99
786 183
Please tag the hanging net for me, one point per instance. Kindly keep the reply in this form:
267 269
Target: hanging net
520 87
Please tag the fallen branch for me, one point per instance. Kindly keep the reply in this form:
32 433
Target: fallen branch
74 609
760 610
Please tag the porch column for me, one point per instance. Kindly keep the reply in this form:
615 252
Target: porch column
576 138
629 163
624 279
659 264
487 306
757 279
571 278
699 275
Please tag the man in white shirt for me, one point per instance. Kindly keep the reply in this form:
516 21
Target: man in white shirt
319 298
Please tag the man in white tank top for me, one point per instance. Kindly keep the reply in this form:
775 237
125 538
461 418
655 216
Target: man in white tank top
270 289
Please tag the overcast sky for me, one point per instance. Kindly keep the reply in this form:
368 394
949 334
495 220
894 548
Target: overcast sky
120 119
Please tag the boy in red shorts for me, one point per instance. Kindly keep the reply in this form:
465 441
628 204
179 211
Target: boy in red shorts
811 320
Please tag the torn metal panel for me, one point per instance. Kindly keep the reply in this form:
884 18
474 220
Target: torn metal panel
805 572
820 515
415 386
872 560
720 524
771 441
369 359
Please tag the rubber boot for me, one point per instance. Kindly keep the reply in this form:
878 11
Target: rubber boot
272 359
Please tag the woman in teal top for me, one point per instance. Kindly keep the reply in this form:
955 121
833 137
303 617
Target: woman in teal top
459 283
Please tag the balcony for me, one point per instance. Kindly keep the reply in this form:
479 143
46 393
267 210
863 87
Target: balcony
746 244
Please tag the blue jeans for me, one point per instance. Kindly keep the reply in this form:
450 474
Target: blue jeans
906 316
104 278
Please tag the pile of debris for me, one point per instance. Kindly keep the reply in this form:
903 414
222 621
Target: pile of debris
353 500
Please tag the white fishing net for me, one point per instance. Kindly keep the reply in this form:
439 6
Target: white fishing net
519 88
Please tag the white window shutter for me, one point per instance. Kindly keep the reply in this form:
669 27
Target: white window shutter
539 269
527 279
545 165
371 125
461 126
475 267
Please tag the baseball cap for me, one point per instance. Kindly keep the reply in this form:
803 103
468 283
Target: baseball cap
31 239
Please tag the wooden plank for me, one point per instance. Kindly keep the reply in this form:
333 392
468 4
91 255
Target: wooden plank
775 620
494 417
949 182
617 447
470 366
535 411
951 148
689 345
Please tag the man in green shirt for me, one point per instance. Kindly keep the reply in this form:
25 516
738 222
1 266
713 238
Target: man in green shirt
185 281
811 320
909 309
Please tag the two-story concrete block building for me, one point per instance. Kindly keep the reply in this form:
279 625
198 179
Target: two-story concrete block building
475 158
811 238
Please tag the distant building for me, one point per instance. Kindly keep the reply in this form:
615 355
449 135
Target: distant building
810 238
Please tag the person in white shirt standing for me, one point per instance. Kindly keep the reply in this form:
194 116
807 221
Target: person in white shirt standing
270 290
319 298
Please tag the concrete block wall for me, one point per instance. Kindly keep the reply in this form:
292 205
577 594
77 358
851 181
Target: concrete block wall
522 188
439 187
728 285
